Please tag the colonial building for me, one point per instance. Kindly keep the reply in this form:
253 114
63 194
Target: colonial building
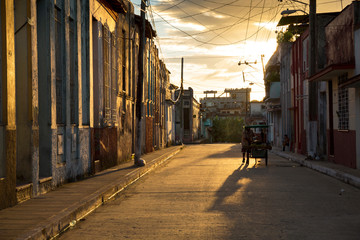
187 113
333 104
170 114
342 113
272 99
69 71
45 134
235 103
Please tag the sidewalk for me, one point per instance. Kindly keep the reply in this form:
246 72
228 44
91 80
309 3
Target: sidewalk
47 215
343 173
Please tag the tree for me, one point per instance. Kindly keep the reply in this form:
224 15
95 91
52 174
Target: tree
227 129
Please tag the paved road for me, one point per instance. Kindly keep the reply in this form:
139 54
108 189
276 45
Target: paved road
205 192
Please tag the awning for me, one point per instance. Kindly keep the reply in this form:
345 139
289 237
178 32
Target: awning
117 5
331 71
353 82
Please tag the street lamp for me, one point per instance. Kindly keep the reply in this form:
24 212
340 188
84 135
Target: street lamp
288 12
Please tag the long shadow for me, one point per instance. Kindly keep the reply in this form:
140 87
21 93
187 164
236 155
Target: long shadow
233 152
229 187
232 200
109 171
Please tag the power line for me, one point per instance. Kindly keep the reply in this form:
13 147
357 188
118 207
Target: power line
201 23
208 42
263 7
153 22
247 27
175 5
208 10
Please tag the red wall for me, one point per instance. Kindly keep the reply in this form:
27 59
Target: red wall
298 77
344 148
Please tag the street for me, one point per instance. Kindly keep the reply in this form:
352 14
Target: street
206 192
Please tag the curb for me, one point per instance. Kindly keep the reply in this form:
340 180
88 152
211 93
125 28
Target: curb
68 217
345 177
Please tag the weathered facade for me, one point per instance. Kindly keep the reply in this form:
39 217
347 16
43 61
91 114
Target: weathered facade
170 114
257 115
235 103
287 114
333 133
114 43
341 101
187 114
272 99
69 71
43 98
299 70
8 131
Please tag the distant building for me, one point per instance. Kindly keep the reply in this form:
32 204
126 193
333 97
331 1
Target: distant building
187 128
257 114
170 115
236 102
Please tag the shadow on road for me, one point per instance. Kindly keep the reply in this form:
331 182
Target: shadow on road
233 152
233 184
234 199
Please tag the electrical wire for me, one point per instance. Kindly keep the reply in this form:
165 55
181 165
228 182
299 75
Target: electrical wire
201 23
208 10
262 12
251 16
208 42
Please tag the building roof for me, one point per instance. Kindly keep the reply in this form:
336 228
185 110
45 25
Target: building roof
331 71
118 6
149 31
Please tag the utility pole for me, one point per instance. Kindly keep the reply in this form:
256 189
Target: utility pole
262 63
313 86
182 103
139 92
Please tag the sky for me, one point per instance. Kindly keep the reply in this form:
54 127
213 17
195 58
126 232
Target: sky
214 36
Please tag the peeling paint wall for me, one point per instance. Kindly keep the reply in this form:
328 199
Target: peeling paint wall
340 38
68 94
8 178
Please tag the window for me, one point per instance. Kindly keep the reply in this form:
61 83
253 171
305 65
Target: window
114 69
123 51
59 61
186 118
85 62
129 70
73 78
110 70
106 72
343 105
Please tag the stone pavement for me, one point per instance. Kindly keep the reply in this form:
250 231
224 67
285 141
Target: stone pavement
343 173
45 216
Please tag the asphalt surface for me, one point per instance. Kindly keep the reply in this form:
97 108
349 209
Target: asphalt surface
206 192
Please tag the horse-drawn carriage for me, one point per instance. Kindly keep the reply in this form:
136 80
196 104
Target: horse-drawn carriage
256 145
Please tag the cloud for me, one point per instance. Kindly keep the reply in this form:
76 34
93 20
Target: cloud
214 35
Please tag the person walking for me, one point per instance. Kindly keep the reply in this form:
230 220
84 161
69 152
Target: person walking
285 141
245 143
